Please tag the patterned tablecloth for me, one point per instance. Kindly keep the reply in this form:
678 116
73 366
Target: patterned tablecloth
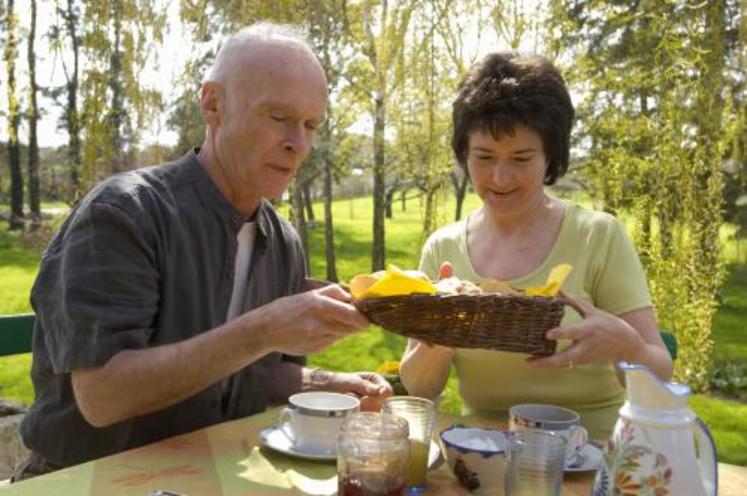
226 460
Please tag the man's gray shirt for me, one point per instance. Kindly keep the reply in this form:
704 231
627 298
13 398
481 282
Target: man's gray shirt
147 259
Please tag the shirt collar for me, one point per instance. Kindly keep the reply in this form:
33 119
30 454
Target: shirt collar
230 214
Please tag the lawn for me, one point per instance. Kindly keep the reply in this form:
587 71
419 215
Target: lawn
727 419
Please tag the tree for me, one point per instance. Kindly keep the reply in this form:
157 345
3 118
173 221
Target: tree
378 30
422 110
653 126
117 40
66 33
14 118
33 114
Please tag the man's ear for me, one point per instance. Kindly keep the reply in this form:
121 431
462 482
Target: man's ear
212 100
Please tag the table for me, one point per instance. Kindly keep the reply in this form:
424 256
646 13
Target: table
224 460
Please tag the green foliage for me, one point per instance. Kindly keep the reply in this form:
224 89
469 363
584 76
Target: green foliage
730 378
657 127
117 41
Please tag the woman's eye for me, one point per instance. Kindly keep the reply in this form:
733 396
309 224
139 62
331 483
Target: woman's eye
275 116
483 157
521 159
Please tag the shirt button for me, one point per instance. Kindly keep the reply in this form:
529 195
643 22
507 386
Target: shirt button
236 218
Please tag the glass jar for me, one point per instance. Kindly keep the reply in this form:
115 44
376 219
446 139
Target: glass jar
372 454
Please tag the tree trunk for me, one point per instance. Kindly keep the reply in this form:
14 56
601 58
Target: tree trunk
329 230
403 199
461 192
33 153
306 190
429 216
116 113
378 250
298 217
14 119
389 199
71 110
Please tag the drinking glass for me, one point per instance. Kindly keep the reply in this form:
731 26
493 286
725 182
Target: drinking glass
420 414
372 454
535 463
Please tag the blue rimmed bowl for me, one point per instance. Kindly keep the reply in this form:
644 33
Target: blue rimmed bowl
477 457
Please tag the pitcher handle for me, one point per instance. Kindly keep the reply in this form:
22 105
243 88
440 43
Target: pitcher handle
707 458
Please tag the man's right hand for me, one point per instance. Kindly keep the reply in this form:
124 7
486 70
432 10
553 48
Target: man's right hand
309 322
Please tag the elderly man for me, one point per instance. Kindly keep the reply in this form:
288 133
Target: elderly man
173 297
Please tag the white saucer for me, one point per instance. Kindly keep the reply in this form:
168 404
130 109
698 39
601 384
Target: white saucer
592 459
274 438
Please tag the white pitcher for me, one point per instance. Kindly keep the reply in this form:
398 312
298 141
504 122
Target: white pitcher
658 443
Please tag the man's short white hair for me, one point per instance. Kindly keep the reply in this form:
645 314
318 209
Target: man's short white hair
258 33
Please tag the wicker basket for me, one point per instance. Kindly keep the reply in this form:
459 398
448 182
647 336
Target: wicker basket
491 321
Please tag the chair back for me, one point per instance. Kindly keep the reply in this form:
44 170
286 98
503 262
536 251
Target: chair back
15 333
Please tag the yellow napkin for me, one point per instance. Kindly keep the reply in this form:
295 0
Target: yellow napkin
555 280
258 469
394 283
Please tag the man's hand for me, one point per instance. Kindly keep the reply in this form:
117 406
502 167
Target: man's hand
308 322
370 387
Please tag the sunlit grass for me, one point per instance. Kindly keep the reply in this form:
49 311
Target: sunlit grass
366 350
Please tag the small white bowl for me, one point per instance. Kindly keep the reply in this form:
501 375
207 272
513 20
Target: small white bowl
477 458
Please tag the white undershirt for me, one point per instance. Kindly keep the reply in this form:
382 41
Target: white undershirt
245 237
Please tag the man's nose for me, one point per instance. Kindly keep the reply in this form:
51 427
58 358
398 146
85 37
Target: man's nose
298 140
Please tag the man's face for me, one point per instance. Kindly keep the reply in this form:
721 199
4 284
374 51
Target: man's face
268 121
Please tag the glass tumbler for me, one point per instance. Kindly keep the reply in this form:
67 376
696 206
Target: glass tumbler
372 453
535 463
420 414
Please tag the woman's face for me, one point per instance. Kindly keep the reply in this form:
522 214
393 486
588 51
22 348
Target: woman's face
507 173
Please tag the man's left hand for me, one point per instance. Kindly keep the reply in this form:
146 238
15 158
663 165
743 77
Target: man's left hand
371 388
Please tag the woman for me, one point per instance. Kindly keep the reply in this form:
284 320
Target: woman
512 120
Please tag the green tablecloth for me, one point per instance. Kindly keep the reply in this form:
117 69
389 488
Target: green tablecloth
226 460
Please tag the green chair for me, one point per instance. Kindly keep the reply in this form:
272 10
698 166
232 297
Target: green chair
15 333
670 340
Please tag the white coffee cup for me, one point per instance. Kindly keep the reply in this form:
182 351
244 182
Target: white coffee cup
312 420
562 421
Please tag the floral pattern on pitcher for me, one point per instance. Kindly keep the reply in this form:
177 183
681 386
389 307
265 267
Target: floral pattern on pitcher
624 458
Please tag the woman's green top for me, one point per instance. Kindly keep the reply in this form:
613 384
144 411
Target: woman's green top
606 272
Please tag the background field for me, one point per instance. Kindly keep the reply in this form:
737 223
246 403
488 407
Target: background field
365 351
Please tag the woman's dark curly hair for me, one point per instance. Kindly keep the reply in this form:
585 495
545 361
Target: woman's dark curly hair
506 89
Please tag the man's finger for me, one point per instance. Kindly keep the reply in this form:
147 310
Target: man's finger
376 379
335 292
339 311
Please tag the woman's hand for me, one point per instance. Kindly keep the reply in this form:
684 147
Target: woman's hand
598 337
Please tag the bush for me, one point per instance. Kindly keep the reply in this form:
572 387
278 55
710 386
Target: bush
730 379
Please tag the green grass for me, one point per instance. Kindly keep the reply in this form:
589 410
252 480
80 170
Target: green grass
730 323
727 421
18 266
366 350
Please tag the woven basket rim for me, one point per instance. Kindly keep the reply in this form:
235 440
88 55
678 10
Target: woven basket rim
543 299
